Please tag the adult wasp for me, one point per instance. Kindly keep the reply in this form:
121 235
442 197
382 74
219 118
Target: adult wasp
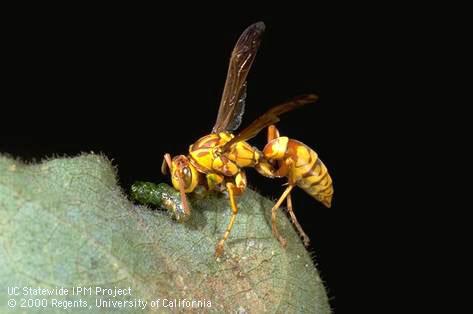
217 160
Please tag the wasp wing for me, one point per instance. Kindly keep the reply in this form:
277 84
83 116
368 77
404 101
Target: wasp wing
268 118
232 104
235 120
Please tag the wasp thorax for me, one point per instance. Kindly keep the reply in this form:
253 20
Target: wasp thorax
216 152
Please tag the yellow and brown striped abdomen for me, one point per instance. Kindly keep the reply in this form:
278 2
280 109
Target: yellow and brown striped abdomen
310 172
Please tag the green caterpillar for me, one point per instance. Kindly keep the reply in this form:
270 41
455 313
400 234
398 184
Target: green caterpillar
161 195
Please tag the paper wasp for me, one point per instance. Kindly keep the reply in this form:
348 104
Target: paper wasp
216 161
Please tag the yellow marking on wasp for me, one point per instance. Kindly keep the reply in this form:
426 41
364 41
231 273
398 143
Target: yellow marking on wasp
308 172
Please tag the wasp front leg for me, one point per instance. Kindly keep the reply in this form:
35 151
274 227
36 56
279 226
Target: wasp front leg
233 189
214 181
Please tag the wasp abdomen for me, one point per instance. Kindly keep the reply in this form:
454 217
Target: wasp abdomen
318 183
310 172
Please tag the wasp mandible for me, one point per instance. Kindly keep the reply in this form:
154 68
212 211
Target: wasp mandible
216 161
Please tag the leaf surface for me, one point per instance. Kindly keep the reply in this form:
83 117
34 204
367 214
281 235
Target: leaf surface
66 223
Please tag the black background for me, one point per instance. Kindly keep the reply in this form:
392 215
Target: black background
137 89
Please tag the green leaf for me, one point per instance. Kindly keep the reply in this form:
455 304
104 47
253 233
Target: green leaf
66 223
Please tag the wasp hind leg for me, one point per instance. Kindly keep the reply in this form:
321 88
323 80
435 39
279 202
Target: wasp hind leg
274 211
304 236
273 133
285 170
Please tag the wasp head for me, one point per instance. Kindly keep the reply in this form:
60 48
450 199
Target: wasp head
184 176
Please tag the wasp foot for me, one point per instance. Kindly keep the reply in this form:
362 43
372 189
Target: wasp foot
219 249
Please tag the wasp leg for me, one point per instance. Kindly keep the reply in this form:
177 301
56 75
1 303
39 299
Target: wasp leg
166 162
276 233
266 168
304 236
273 133
214 180
240 181
286 169
232 190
